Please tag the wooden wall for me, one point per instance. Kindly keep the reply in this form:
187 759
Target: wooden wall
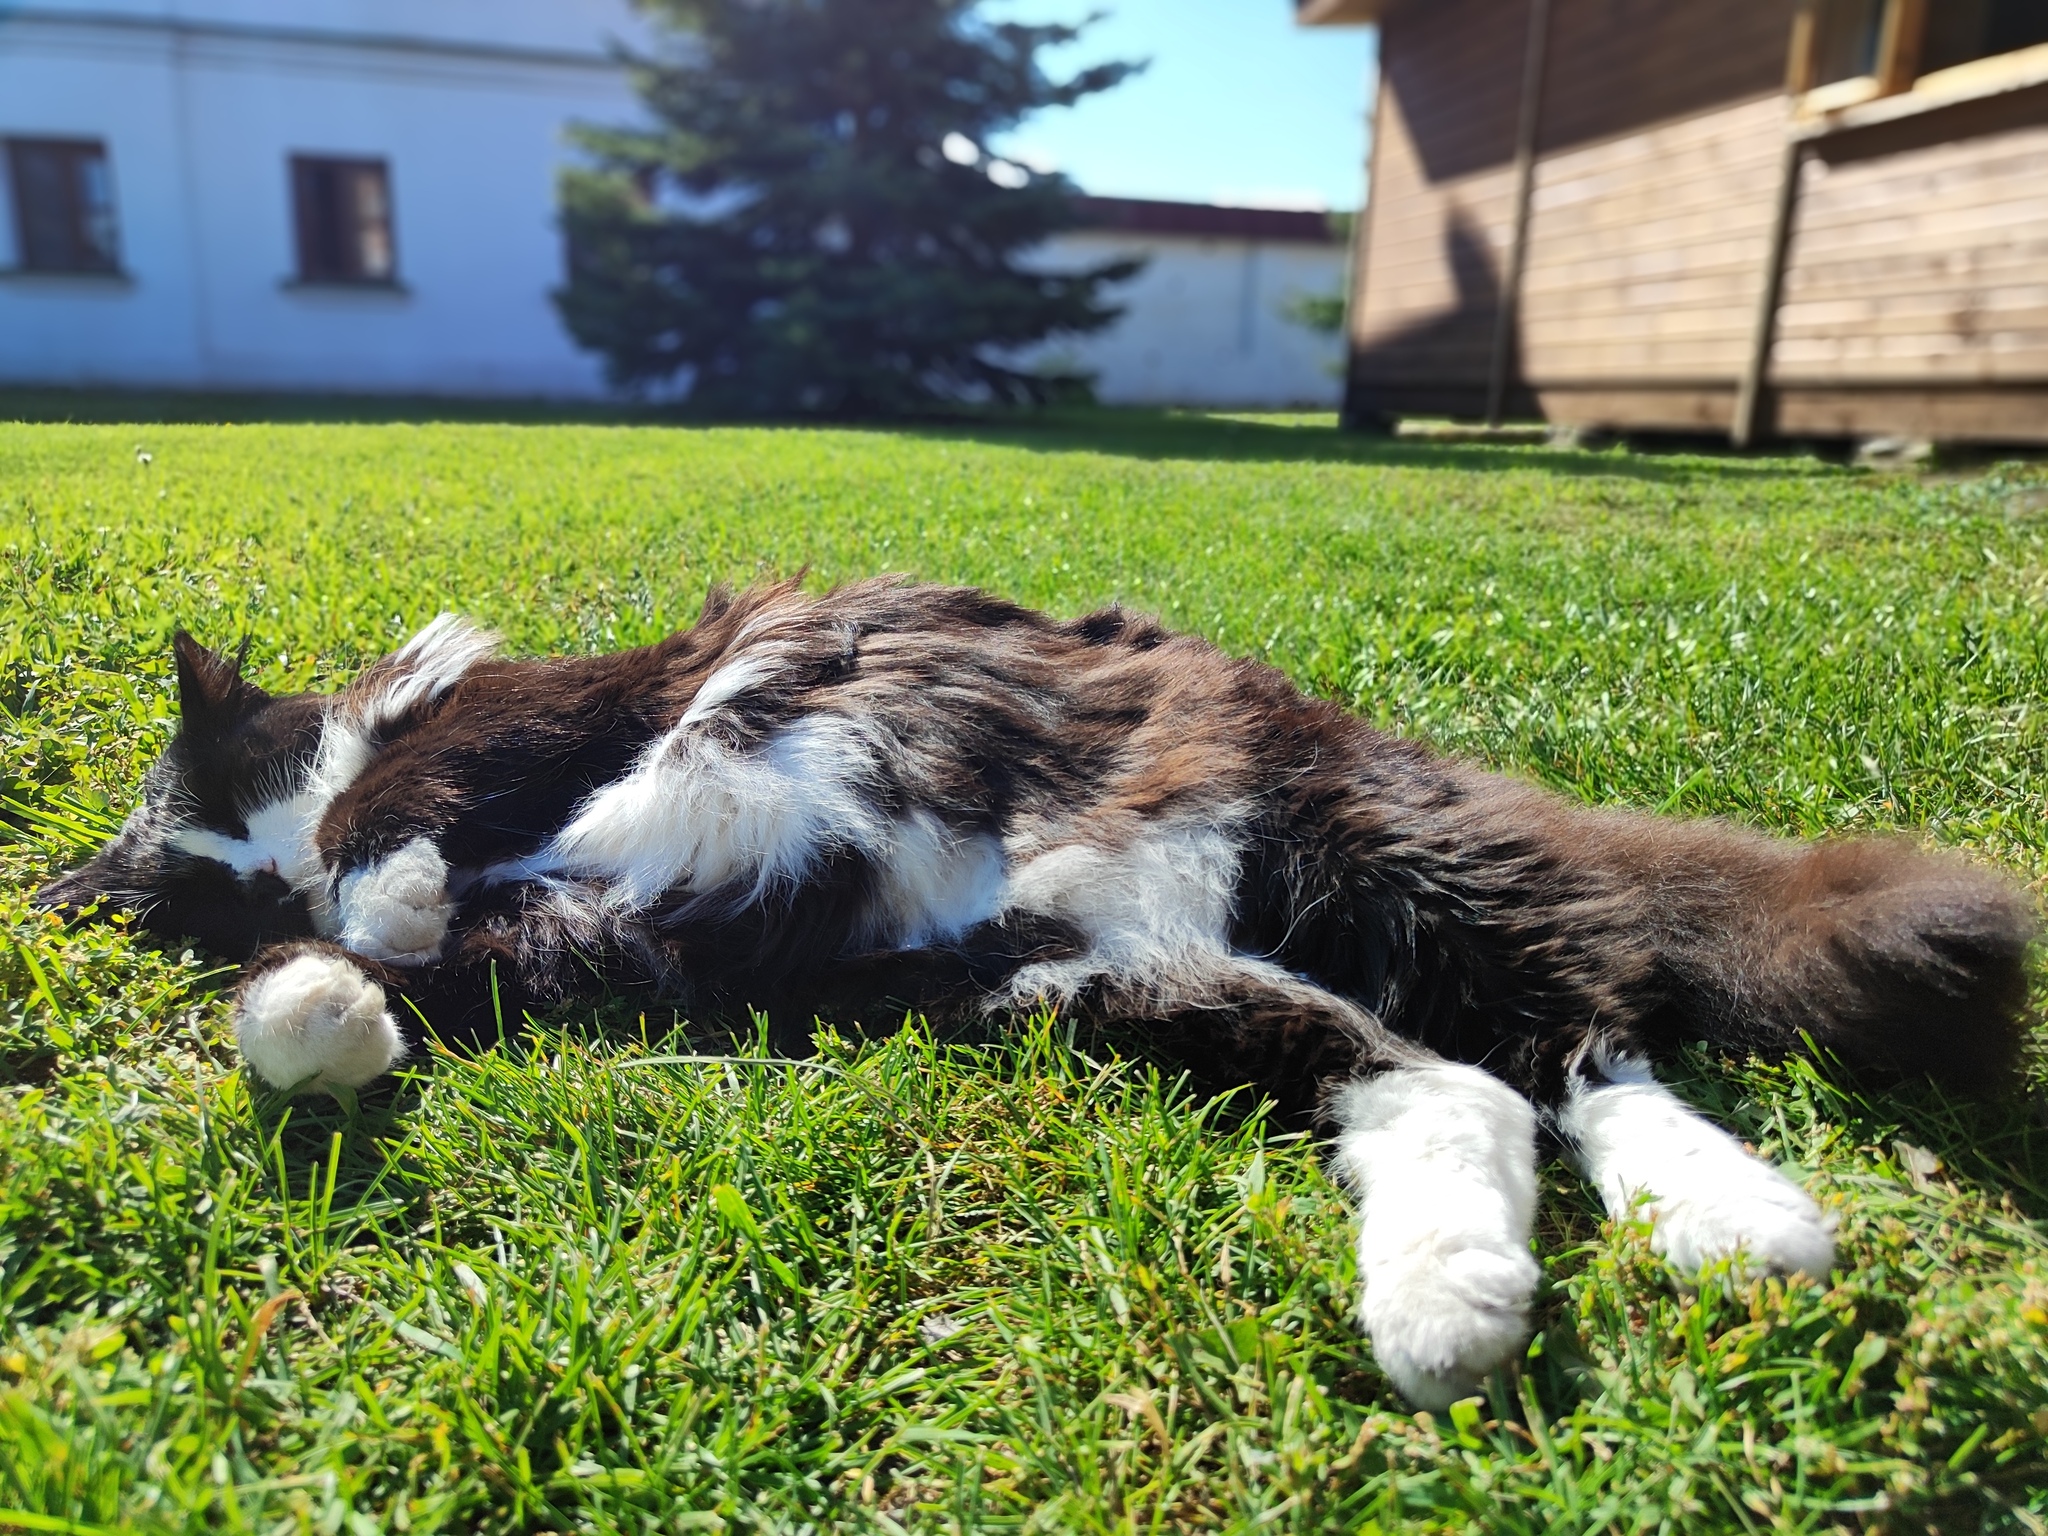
1646 254
1437 229
1916 286
1916 292
1646 233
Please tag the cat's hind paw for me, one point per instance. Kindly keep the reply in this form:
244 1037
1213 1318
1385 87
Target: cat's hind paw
1441 1323
316 1023
1443 1159
1751 1214
1707 1197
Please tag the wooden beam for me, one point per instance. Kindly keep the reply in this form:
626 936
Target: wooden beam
1802 65
1802 69
1337 13
1899 45
1749 396
1356 269
1506 314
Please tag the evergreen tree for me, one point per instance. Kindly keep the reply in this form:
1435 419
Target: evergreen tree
812 221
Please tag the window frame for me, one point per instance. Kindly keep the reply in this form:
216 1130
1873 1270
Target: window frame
74 149
299 168
1896 80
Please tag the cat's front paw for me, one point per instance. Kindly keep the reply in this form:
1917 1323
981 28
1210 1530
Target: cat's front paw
397 909
316 1022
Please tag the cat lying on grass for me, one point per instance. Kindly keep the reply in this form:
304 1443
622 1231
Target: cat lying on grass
901 797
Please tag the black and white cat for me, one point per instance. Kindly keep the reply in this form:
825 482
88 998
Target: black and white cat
909 797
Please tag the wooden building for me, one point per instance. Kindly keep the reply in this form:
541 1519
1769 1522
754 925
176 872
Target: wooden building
1790 218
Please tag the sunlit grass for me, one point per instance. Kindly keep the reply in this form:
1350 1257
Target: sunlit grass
563 1286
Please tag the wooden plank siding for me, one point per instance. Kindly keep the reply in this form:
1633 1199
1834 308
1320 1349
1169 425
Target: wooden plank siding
1914 291
1926 264
1430 266
1646 254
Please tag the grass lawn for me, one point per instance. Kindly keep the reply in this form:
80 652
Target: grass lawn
571 1285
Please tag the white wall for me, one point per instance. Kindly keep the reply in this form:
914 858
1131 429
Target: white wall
200 107
201 102
1204 323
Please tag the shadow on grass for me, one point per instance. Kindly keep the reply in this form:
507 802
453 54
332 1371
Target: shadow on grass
1994 1151
208 408
1125 432
1223 437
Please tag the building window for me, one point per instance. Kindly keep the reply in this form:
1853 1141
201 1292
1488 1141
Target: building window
63 205
342 211
1962 31
1857 49
1846 34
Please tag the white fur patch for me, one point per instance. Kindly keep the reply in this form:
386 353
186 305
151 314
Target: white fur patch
1443 1161
1147 908
694 814
244 855
732 680
316 1023
935 884
399 908
425 667
1706 1197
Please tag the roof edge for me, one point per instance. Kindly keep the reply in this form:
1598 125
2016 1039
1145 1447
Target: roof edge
1338 13
1157 216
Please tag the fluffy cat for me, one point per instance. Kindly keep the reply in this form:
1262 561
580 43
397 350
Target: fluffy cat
912 797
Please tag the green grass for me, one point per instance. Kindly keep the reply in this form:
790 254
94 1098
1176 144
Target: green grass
564 1286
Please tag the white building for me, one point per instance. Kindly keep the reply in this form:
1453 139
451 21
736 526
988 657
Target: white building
1208 321
326 194
359 195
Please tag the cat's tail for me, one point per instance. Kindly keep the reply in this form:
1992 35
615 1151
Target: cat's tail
1880 953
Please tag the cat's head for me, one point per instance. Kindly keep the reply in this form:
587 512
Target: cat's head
207 855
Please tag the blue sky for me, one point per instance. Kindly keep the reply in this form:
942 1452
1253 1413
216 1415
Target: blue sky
1239 105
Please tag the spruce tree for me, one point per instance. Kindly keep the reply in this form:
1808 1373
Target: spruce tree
812 222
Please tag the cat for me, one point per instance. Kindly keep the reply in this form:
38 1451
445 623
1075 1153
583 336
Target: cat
902 797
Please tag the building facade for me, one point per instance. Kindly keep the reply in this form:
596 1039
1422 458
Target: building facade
352 195
360 196
1793 218
1214 317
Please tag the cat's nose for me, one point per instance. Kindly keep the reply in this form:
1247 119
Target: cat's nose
264 885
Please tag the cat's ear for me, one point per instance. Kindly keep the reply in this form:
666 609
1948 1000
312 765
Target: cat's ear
212 693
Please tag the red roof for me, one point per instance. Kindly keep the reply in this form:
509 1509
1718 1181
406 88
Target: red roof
1150 216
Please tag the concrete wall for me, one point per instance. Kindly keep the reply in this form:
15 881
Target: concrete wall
200 108
1204 323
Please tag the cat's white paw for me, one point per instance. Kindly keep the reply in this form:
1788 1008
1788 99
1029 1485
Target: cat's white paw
1443 1159
1442 1322
398 909
1751 1213
316 1022
1706 1197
